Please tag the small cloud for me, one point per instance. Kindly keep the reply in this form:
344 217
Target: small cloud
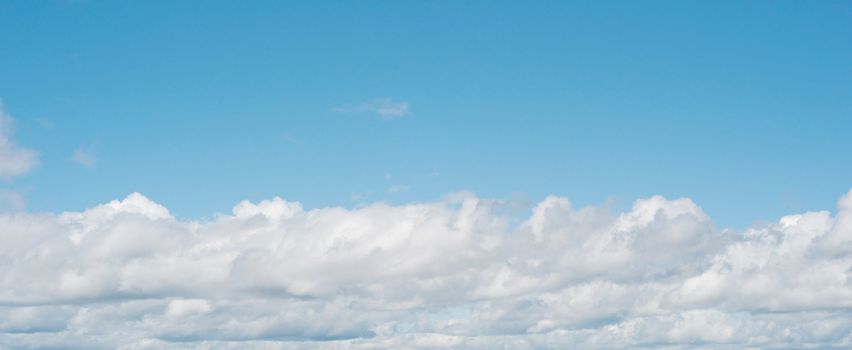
385 107
14 161
397 188
84 157
289 138
359 196
45 123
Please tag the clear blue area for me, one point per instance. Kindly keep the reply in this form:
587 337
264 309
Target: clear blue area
743 106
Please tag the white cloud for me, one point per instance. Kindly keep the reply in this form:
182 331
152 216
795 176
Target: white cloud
460 272
14 161
385 107
84 157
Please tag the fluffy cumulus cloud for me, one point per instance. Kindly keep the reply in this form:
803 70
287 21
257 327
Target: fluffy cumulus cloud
14 160
463 272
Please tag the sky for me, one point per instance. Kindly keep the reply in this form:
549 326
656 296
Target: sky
743 107
539 174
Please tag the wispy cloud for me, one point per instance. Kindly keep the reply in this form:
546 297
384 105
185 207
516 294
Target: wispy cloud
14 160
11 200
45 123
385 107
289 138
397 188
84 156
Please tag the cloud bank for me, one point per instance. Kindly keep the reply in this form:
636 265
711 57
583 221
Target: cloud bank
463 272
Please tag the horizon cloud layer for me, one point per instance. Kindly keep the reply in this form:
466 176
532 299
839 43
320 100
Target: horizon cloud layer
461 272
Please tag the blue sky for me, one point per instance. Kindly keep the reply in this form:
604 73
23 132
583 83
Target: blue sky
744 107
425 174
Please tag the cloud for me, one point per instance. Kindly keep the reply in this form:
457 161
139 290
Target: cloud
11 200
84 157
461 272
289 138
45 123
384 107
14 161
397 188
